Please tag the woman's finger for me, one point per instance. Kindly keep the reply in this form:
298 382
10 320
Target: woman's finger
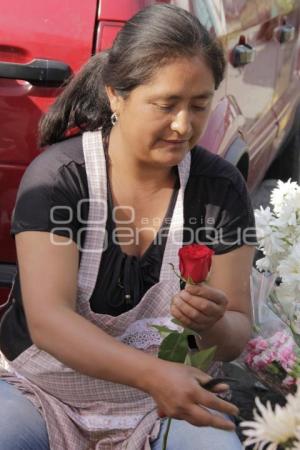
187 321
202 305
203 290
199 416
211 401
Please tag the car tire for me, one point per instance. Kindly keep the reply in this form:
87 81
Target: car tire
287 163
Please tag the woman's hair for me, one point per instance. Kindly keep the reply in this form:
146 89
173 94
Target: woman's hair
151 38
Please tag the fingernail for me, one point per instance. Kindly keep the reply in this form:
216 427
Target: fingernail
223 386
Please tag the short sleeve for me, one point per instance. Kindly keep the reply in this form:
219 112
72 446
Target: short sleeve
233 217
47 199
218 210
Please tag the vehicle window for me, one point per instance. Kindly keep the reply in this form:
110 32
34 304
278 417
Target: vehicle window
209 12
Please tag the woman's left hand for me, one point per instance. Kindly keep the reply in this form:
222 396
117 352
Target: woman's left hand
199 307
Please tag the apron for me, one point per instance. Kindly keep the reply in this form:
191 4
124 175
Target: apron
82 412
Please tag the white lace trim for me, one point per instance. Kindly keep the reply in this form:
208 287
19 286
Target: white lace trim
99 421
141 335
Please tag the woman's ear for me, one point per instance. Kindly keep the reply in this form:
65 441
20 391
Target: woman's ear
114 98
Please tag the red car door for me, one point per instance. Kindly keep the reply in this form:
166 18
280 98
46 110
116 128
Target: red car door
41 43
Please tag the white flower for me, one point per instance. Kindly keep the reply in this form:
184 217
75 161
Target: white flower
293 401
271 428
284 192
264 264
263 218
289 268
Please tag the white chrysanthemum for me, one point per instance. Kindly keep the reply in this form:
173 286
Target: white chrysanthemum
271 428
275 243
288 218
282 194
264 264
289 268
263 218
293 401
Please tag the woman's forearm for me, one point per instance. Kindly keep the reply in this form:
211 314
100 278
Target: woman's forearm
230 334
86 348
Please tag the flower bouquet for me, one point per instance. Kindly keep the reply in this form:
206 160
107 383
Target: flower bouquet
274 354
275 361
278 234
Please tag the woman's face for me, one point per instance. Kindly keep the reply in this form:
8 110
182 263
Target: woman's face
160 121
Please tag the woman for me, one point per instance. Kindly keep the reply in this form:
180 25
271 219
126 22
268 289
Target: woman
98 219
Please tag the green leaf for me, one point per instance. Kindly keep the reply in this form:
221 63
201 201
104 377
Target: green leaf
174 347
186 331
272 369
163 331
189 332
203 358
177 322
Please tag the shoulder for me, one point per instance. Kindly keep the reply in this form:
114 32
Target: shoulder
60 165
55 158
51 188
215 173
217 193
210 165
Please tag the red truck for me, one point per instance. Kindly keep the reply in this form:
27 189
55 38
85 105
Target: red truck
255 114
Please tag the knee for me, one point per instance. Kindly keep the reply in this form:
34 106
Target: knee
21 425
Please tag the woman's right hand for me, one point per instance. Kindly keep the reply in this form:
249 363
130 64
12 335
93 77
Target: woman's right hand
176 388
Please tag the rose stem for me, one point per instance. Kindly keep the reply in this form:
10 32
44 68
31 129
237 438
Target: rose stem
166 434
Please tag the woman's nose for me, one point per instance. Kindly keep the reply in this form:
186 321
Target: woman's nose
182 124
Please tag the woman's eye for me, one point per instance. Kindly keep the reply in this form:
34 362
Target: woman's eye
199 108
165 107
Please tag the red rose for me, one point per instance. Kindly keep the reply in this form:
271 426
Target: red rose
195 262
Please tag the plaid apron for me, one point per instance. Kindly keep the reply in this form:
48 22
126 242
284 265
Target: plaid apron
82 412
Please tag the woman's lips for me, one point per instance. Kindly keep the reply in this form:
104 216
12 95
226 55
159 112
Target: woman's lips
175 142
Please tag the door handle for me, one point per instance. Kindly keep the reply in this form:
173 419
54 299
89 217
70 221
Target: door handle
39 72
242 54
285 33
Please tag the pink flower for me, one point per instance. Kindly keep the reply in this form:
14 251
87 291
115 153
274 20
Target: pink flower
257 345
279 338
286 356
261 361
249 358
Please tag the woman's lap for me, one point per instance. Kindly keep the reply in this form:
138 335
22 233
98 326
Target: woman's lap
183 435
21 426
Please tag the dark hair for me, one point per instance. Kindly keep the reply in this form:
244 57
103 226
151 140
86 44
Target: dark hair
152 37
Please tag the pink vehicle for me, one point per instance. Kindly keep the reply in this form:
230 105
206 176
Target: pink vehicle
255 112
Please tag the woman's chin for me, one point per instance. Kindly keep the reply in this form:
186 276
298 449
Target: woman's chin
172 159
